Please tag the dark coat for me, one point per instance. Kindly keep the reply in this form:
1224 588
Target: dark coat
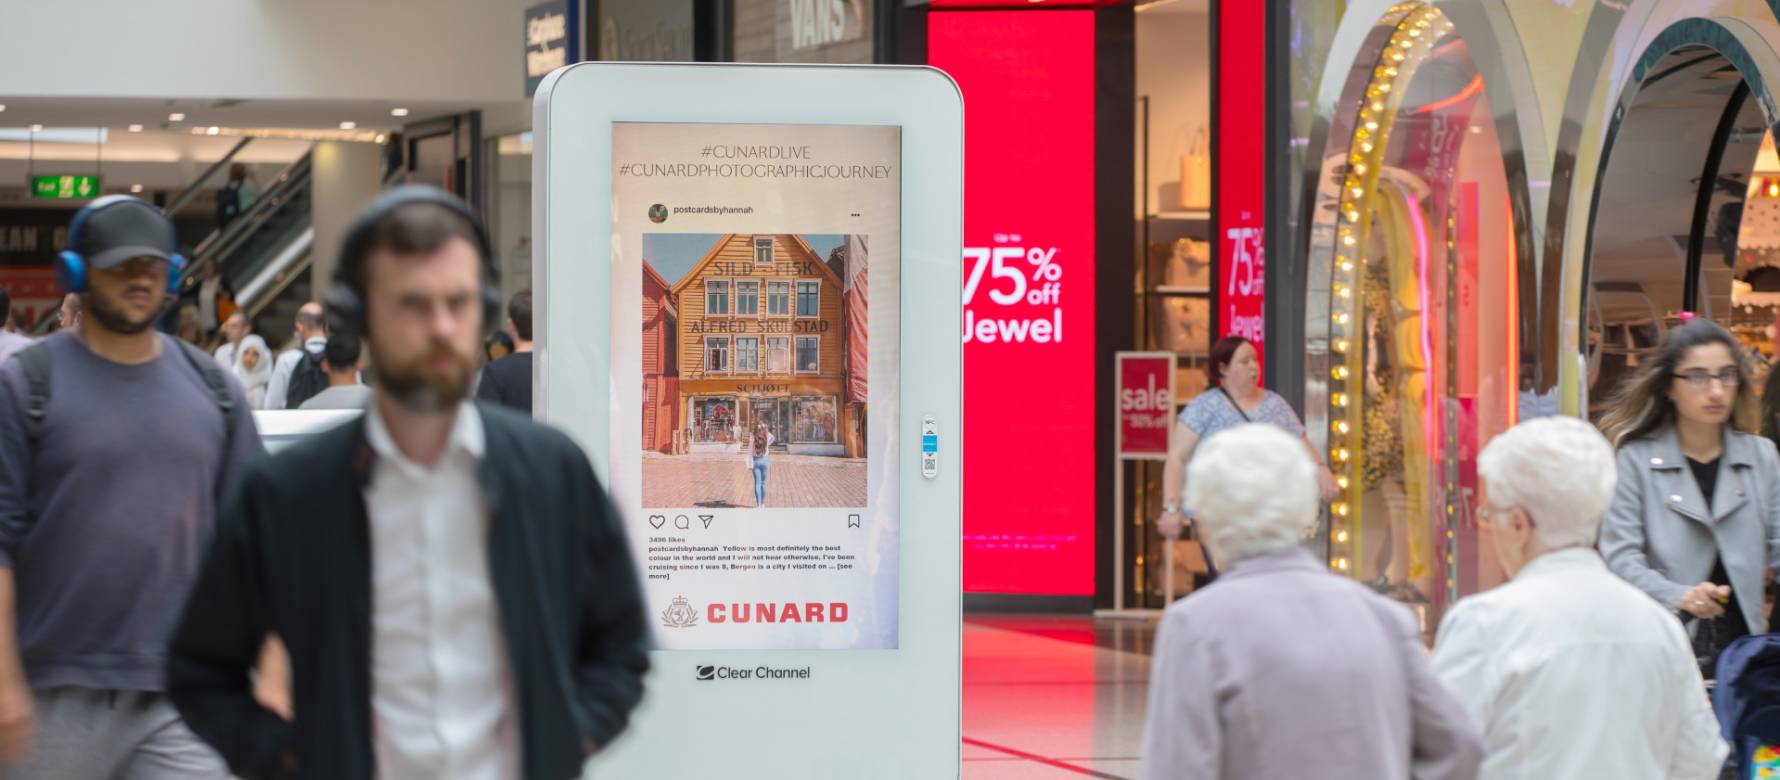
292 556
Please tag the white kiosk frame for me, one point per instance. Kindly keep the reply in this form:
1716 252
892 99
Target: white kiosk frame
862 713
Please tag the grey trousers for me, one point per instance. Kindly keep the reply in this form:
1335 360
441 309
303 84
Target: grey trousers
86 734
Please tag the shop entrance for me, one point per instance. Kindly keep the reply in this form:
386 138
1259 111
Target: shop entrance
1686 215
1414 310
777 414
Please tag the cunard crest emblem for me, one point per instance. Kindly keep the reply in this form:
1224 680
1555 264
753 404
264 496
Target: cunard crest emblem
679 614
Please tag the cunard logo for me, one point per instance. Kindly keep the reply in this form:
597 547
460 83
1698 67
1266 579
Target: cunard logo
679 614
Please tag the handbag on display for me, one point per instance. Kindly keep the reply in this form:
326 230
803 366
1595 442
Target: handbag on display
1195 173
1189 265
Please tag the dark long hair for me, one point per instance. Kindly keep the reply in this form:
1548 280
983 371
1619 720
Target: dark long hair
1641 406
1222 353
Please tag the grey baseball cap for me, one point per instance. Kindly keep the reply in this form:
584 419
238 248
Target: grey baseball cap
119 228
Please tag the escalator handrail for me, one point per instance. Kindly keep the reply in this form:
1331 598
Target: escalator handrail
186 196
223 241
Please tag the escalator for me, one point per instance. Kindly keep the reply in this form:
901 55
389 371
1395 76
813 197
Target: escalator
262 255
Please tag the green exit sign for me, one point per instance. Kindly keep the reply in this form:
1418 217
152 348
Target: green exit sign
64 187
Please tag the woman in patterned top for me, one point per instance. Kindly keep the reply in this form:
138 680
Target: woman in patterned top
1238 400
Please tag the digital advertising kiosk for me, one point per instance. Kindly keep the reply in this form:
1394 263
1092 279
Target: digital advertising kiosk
748 312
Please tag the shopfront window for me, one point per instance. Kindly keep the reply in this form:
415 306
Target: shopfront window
809 299
778 354
814 420
747 355
809 354
713 419
747 299
778 299
717 354
1417 362
716 298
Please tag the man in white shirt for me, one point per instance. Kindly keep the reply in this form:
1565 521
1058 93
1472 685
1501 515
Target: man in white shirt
234 331
312 334
1569 671
450 578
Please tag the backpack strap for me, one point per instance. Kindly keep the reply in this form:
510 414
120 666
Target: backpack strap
34 359
219 385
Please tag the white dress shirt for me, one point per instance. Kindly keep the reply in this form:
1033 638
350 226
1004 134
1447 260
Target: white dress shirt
278 392
441 686
1573 673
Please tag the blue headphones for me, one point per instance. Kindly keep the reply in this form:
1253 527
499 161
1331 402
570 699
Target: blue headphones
71 265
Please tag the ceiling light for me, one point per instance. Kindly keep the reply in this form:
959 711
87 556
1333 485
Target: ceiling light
2 106
176 117
348 125
36 128
382 138
135 188
135 128
398 112
213 131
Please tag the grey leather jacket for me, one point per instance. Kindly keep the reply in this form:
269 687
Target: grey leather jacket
1660 536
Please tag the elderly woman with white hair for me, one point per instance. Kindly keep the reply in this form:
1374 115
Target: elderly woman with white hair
1569 670
1279 668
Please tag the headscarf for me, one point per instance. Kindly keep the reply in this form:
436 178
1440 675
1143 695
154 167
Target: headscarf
256 380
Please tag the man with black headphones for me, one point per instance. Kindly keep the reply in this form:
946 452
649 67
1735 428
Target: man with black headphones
116 444
453 584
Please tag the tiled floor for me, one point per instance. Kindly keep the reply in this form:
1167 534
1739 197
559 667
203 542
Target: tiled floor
1054 697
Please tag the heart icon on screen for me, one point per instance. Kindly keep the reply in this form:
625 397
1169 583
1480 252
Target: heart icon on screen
658 520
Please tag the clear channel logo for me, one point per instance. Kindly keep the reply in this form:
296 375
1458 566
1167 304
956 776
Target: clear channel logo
713 673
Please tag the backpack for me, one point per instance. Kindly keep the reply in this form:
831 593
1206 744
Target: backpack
228 203
35 361
306 380
1746 698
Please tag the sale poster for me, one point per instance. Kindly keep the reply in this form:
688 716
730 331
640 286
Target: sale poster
755 433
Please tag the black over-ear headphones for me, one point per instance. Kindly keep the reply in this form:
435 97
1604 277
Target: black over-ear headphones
345 302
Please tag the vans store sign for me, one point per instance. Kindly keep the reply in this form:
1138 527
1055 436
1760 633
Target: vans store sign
549 42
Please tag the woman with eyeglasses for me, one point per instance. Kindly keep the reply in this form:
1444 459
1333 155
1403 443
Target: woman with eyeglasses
1695 521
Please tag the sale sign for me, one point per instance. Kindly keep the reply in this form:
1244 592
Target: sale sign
1241 195
1028 284
1146 404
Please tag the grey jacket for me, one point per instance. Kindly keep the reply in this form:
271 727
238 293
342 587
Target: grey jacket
1281 669
1660 536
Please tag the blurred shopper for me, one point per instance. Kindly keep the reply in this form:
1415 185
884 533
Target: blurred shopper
68 316
10 340
1238 399
18 323
498 345
234 330
1280 668
310 338
236 195
1568 670
452 581
215 300
253 368
1770 406
508 381
1695 521
116 443
345 391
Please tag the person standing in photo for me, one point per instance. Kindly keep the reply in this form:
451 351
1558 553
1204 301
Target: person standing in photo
116 444
309 338
10 340
253 368
452 581
1568 670
760 444
508 381
1695 521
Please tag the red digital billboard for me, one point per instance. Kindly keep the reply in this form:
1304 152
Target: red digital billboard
1028 84
1241 195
